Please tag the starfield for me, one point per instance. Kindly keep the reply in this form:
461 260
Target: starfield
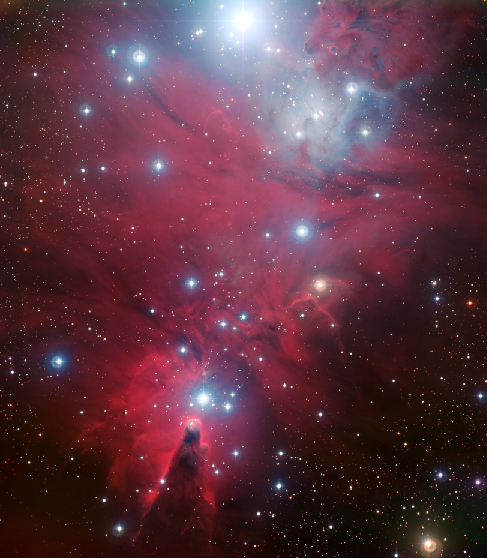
243 277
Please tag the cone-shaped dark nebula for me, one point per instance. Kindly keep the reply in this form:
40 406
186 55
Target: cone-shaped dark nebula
244 278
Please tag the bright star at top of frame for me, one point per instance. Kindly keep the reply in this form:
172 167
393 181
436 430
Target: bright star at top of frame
278 486
243 20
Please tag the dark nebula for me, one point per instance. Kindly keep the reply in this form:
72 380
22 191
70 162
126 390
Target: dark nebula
243 279
180 515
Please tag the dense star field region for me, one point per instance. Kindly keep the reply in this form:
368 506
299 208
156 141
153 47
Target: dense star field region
243 279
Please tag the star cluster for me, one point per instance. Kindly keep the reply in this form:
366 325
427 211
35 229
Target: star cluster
244 258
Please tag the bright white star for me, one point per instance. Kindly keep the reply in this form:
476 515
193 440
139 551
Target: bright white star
139 56
243 20
352 88
203 399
